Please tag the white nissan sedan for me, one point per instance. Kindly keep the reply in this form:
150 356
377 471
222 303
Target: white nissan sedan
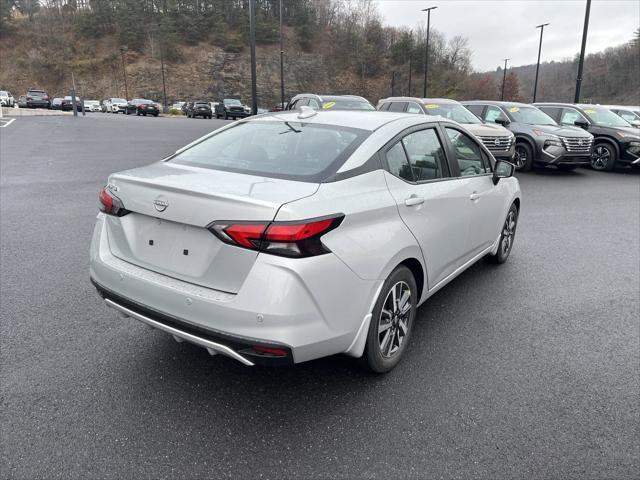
292 236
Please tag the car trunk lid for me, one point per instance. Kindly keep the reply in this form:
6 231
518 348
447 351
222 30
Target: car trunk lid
171 205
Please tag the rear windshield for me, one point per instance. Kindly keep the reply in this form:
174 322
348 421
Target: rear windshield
530 115
232 101
202 103
36 93
118 100
289 150
337 103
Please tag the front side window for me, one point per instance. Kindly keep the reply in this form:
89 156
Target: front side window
413 108
570 116
313 103
468 153
494 113
290 150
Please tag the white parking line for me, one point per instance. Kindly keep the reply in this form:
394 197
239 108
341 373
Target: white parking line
6 123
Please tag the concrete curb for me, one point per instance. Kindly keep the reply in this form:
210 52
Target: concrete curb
32 112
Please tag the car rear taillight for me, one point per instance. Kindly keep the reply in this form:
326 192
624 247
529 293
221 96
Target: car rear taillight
29 98
287 239
110 204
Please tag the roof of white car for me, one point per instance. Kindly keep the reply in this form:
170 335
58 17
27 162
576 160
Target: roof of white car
362 119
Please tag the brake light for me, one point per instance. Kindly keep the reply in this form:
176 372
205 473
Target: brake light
29 98
270 351
110 204
287 239
142 105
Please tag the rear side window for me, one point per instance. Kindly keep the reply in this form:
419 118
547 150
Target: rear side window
384 107
418 157
468 154
475 109
289 150
426 155
397 106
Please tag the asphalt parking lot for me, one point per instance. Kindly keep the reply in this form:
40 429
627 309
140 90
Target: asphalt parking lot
527 370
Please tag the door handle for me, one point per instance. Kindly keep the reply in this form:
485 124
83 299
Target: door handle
414 200
474 196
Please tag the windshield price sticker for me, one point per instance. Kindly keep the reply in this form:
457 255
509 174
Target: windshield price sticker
328 105
431 106
514 109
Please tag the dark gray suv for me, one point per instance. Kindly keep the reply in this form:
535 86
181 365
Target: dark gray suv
539 139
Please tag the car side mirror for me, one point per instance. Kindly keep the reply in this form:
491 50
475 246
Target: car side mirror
502 121
581 124
502 170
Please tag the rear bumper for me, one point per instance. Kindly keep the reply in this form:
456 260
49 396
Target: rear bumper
38 103
294 304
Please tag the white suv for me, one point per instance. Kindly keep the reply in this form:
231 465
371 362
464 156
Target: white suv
6 99
297 235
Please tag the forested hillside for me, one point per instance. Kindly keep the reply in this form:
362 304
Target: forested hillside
335 46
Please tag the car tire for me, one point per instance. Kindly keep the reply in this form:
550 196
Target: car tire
507 237
523 157
379 355
567 168
604 157
155 114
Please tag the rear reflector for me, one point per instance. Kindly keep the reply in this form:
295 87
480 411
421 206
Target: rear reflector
287 239
270 351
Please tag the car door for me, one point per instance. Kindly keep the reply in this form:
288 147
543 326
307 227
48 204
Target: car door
432 203
484 201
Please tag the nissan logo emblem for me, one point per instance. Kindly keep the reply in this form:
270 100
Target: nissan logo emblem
160 205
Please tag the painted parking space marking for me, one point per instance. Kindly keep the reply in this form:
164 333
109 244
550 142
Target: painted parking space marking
6 122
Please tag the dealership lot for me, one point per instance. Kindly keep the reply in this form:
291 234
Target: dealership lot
525 370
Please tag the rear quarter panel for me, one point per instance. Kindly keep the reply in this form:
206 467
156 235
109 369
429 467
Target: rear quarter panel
372 239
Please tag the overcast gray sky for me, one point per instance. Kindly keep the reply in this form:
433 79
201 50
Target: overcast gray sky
506 29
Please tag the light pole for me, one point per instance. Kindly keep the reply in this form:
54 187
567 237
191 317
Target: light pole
504 77
252 44
535 84
281 63
584 46
426 50
410 52
123 50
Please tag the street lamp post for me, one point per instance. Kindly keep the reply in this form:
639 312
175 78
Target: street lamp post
535 84
582 50
426 50
410 52
252 44
123 50
281 63
504 77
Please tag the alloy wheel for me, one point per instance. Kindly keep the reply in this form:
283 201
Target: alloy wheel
508 232
520 158
393 323
600 158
